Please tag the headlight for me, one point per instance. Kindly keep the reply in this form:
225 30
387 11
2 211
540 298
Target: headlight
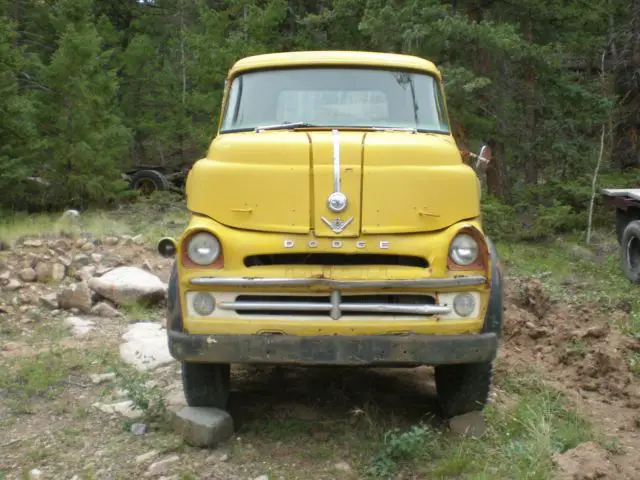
463 250
464 304
203 248
204 304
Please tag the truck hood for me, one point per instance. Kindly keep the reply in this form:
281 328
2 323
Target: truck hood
281 181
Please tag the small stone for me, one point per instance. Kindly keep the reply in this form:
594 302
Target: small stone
87 247
44 272
32 243
76 296
64 261
103 309
13 285
79 326
125 408
50 300
61 244
85 273
28 275
10 347
469 424
96 257
58 272
147 266
217 457
145 457
98 378
81 260
203 426
262 477
35 474
599 331
4 277
161 467
138 428
111 241
342 466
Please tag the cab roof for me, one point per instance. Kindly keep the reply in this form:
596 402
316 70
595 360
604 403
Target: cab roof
333 58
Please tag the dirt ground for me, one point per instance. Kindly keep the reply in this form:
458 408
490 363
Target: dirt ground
290 422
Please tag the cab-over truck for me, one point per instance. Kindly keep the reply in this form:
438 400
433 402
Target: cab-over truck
333 222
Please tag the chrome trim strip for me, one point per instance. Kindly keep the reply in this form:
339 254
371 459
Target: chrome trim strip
335 309
336 161
339 284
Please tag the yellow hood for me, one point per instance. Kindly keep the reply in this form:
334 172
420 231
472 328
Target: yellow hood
280 181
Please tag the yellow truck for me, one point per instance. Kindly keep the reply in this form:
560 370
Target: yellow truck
333 222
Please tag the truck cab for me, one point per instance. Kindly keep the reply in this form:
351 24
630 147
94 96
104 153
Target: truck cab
333 222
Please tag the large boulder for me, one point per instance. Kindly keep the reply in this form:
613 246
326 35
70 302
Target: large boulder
129 285
145 346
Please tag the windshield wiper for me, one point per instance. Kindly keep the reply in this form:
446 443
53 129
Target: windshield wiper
284 126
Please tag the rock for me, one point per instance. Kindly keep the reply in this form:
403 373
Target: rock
64 261
5 277
85 273
147 266
125 408
128 285
98 378
28 275
61 244
58 272
587 461
103 309
342 466
138 428
81 260
35 474
469 424
262 477
203 426
162 467
87 247
79 326
101 270
32 243
145 346
111 241
76 296
44 272
13 285
96 257
71 215
217 457
50 301
145 457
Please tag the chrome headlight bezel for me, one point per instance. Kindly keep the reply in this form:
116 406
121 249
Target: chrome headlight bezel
203 248
464 250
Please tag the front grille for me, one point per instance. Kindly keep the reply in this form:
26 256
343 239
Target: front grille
335 305
335 259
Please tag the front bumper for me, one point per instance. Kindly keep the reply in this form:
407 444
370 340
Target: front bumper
334 350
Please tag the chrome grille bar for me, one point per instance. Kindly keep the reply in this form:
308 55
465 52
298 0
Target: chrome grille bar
338 284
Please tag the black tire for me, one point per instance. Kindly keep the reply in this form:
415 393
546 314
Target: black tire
463 388
630 246
622 220
148 181
206 384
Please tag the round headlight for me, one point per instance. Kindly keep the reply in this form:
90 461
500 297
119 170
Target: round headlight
203 249
204 304
464 304
463 250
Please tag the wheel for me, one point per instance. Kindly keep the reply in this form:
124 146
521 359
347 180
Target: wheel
206 384
622 220
463 388
630 245
148 181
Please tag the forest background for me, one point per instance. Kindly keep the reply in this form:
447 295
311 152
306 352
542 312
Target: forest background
91 87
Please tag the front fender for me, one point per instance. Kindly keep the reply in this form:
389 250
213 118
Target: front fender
493 317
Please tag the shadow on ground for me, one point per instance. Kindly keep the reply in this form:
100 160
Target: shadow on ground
386 397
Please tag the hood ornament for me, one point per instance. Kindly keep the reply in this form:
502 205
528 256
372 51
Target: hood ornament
337 201
337 225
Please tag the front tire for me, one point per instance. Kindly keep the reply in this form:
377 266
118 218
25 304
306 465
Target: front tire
206 384
463 388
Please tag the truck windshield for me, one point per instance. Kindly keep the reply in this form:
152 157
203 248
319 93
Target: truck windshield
335 97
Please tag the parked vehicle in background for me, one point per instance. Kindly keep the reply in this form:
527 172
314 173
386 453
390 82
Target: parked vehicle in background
626 201
153 178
